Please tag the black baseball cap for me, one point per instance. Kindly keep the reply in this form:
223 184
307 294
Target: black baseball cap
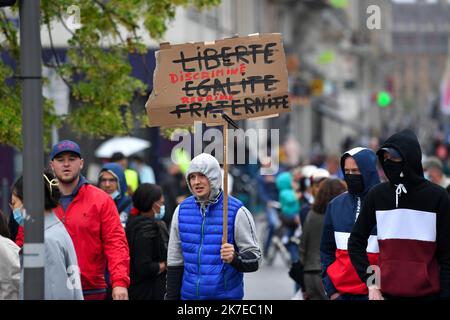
393 152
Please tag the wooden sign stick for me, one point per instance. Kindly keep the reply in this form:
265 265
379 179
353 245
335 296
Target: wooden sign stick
225 182
228 120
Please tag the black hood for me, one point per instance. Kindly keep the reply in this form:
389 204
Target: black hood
407 144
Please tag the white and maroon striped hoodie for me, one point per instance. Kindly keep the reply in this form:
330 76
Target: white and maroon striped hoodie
413 224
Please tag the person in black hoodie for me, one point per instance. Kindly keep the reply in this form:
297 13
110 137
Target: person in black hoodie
412 216
148 238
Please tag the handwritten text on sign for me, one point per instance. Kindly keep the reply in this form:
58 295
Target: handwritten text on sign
243 77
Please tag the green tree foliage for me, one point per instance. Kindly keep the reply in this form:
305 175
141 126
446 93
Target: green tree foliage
98 60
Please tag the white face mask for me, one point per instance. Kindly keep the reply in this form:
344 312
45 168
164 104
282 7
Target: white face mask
162 212
115 194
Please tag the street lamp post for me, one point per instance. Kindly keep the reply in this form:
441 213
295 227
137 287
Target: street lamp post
33 163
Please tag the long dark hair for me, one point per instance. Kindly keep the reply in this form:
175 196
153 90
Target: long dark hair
328 189
51 190
4 230
145 196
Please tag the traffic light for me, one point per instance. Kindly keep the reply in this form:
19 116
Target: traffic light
7 3
383 99
326 57
340 4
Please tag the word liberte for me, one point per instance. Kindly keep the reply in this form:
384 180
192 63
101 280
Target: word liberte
255 138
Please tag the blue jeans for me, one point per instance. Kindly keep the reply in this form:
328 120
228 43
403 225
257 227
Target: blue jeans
291 246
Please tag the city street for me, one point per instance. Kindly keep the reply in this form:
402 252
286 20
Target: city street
149 149
269 282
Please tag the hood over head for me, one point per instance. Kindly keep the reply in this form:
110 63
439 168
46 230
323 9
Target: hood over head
207 165
116 170
407 145
284 181
367 164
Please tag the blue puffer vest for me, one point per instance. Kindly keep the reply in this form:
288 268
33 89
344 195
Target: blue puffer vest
205 276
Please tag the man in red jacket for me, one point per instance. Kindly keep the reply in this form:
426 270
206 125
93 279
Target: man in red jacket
91 218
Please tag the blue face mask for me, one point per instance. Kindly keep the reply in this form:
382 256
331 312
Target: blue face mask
115 194
427 176
307 183
18 216
162 212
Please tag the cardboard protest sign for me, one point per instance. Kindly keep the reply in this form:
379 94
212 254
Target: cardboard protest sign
244 77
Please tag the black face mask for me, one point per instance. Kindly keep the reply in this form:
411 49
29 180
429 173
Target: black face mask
394 171
355 183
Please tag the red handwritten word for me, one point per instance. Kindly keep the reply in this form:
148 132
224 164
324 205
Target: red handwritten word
189 76
208 98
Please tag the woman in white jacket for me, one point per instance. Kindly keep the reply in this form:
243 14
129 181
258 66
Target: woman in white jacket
9 264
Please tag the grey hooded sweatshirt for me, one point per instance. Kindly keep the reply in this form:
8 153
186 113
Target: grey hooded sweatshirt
247 254
62 274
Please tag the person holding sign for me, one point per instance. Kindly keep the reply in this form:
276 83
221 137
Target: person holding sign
200 266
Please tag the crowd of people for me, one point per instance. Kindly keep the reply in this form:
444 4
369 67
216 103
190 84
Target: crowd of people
368 224
379 231
109 240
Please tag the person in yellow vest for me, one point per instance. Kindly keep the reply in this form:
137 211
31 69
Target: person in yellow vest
131 176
